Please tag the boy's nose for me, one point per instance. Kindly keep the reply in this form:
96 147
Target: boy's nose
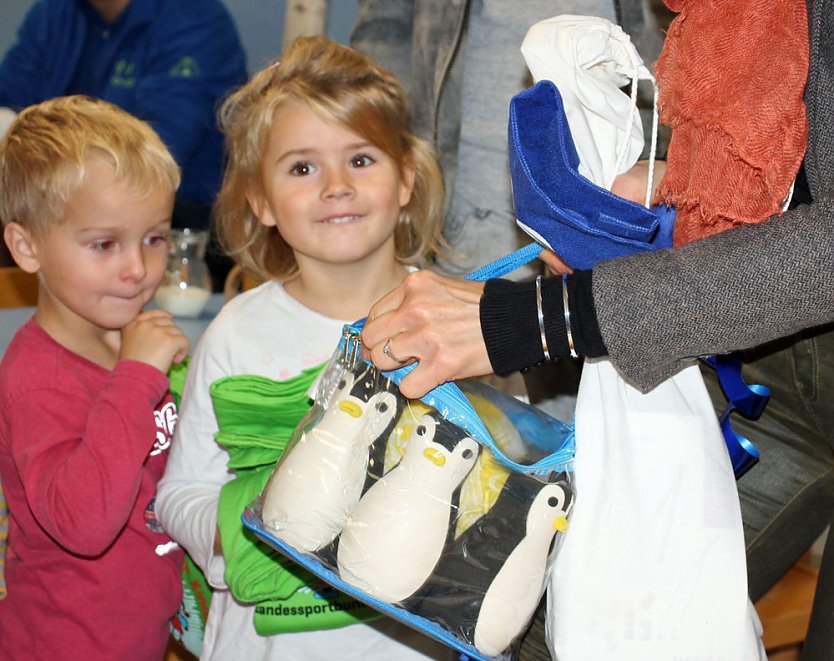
134 267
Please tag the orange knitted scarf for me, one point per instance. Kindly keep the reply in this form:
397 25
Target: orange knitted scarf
730 83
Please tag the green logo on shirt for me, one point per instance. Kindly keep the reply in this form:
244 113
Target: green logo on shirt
124 74
187 67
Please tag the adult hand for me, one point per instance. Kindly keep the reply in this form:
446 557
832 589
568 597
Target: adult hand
153 338
632 183
431 319
554 262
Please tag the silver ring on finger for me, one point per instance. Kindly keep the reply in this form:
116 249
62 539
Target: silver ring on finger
386 349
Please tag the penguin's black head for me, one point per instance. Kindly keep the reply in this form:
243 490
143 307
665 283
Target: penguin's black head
364 381
433 427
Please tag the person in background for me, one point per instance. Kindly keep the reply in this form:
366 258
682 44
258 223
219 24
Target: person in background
164 61
764 288
86 195
330 199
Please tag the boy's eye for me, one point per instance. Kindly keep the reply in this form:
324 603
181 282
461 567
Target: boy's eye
361 161
103 244
302 169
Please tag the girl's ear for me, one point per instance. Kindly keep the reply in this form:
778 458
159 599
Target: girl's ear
260 207
409 174
20 244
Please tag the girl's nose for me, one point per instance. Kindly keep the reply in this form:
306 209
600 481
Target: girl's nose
337 185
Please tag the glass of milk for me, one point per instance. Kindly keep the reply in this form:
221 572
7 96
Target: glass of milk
186 288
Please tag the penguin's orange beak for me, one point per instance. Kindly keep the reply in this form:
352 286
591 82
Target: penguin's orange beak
560 523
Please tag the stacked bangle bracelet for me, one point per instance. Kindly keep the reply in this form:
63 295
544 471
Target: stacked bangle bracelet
541 316
567 317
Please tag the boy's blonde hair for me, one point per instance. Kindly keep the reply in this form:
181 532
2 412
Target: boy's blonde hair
341 85
45 154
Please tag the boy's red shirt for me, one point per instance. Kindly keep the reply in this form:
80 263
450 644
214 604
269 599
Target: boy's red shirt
90 573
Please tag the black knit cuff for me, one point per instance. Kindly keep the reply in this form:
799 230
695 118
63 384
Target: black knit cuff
510 325
584 325
510 322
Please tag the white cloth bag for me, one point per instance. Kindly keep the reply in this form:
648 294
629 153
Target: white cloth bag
653 566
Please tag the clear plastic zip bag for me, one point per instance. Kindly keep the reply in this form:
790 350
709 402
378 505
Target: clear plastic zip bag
446 513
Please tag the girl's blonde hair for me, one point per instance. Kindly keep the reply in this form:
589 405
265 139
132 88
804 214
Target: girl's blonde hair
45 155
343 85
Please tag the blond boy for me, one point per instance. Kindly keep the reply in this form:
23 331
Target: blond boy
86 195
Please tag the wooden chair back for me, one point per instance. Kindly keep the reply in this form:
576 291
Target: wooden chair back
18 288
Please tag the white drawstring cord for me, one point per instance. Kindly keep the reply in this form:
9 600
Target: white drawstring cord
653 149
622 148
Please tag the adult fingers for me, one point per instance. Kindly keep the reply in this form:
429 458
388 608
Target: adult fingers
555 263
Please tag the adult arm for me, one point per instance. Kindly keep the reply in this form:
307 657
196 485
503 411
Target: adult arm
457 329
25 71
655 312
651 312
735 290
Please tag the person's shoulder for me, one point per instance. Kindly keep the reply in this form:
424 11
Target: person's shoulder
29 363
245 309
251 300
45 13
205 29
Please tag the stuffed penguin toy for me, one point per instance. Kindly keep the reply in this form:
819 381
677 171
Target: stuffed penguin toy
395 535
489 580
319 479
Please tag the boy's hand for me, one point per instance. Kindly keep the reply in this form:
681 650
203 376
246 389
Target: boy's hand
154 338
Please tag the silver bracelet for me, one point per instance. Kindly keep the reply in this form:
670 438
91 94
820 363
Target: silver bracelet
541 316
567 316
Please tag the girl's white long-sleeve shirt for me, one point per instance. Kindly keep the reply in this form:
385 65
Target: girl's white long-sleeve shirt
264 332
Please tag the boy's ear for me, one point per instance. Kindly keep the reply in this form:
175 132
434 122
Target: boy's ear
19 242
259 206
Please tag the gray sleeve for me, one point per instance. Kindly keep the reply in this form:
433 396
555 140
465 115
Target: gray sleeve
735 290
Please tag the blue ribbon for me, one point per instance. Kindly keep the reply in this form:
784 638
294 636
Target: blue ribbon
748 400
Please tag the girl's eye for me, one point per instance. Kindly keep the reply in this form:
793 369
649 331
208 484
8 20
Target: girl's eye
361 161
103 245
155 240
302 169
